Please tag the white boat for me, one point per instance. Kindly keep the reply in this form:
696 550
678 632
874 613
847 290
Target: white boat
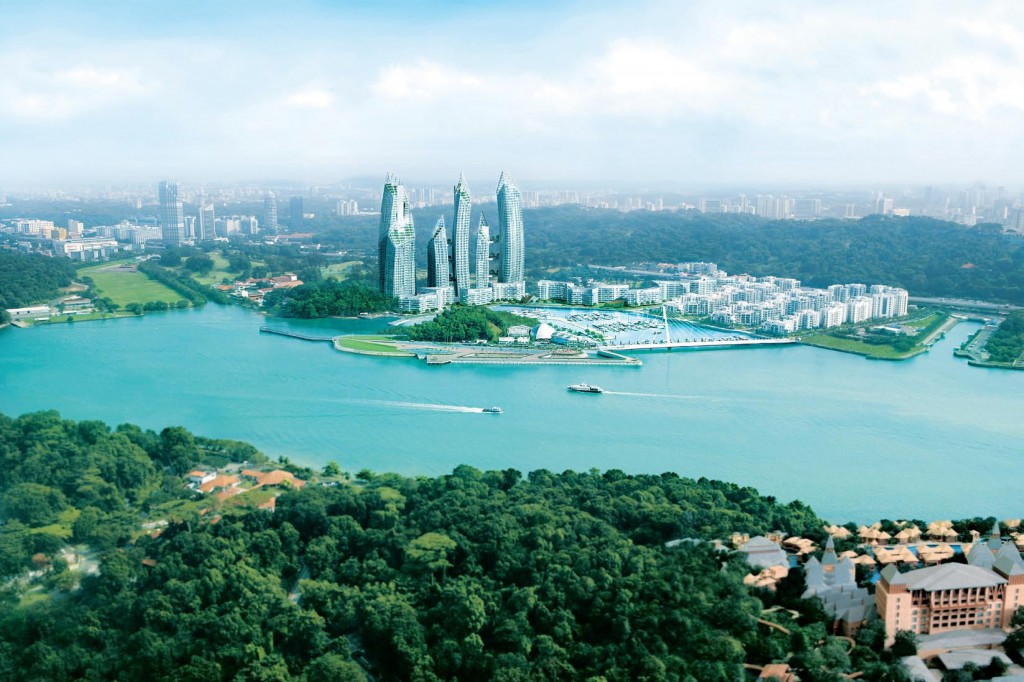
585 388
493 410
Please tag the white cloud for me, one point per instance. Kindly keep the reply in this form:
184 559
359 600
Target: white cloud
311 98
29 90
425 80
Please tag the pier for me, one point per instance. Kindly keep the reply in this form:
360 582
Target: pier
296 335
702 344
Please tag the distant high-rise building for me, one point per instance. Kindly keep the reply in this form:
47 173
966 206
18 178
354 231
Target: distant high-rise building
172 216
270 212
205 224
396 240
511 249
75 227
190 227
295 212
249 225
460 238
483 254
807 209
438 266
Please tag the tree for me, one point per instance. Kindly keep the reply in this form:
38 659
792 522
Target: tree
904 644
429 552
334 668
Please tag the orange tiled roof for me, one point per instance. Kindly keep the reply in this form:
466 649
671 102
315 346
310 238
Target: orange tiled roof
221 481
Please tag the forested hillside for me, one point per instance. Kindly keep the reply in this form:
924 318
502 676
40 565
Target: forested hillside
927 257
27 279
471 576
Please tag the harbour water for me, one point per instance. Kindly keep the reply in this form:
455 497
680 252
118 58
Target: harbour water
856 439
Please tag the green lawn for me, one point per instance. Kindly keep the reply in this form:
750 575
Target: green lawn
371 344
859 347
123 286
340 270
219 272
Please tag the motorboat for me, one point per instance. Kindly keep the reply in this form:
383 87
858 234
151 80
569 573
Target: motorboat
585 388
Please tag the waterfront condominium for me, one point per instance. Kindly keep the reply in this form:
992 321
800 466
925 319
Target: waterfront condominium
172 216
510 232
483 254
438 268
396 242
460 238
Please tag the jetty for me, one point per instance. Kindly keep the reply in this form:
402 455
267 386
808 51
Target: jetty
699 344
297 335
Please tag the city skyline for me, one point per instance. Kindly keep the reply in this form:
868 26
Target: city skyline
657 92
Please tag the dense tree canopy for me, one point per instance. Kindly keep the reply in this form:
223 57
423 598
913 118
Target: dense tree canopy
466 324
473 575
927 257
328 298
1007 343
27 279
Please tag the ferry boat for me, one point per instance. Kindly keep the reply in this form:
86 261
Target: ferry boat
492 410
585 388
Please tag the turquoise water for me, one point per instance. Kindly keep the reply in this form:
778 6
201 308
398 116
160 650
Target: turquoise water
858 440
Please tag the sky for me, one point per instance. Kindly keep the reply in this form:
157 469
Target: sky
619 93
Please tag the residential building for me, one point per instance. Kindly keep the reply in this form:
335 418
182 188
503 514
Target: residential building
511 248
483 254
460 238
396 241
438 266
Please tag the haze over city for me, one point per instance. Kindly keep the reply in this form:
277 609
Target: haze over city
786 92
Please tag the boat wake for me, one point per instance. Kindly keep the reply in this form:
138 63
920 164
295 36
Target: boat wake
656 395
424 406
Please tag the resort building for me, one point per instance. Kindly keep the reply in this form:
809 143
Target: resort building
833 581
982 594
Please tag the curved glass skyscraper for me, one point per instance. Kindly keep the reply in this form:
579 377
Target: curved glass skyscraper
510 232
483 254
438 267
460 238
396 242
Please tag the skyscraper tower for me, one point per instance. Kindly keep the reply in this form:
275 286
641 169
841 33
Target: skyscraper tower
483 254
396 241
204 226
172 215
270 212
296 212
460 238
511 251
438 267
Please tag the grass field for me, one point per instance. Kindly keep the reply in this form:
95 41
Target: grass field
124 286
858 347
219 272
369 344
340 270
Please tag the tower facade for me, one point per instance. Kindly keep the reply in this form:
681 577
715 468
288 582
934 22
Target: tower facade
460 238
172 215
396 241
511 252
483 254
438 267
270 212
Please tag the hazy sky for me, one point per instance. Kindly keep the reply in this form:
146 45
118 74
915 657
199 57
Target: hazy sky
709 92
